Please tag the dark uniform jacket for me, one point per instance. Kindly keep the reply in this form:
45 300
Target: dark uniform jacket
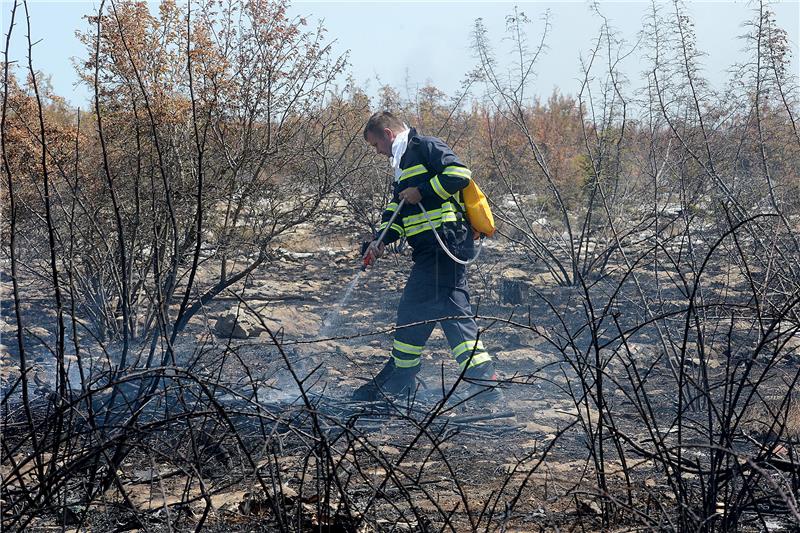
430 165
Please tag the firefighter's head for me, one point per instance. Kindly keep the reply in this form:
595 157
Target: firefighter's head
380 131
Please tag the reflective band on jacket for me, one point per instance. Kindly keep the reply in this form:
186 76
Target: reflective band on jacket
392 206
439 189
452 170
434 214
460 200
426 226
395 227
410 172
458 171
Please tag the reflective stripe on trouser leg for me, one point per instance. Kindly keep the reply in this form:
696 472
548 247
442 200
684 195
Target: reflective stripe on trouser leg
470 353
406 355
462 333
409 340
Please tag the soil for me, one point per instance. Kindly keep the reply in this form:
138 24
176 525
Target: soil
538 460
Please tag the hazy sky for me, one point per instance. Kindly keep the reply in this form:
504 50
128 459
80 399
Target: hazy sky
408 44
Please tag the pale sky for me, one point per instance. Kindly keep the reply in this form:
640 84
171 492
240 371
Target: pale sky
409 44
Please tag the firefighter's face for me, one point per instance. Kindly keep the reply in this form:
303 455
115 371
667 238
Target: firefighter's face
382 142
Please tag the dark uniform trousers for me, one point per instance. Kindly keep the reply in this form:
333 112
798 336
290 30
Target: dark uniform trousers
436 291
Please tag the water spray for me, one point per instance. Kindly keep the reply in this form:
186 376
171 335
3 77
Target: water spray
365 260
332 318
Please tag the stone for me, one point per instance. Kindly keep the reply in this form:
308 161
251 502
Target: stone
589 507
515 286
514 292
237 326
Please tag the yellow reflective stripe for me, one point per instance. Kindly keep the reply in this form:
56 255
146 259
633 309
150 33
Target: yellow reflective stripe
419 229
458 171
446 217
476 360
395 227
410 172
467 345
406 363
447 207
392 206
425 226
438 189
416 219
422 226
407 348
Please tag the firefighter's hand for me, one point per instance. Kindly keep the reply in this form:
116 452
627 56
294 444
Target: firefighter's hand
374 251
411 195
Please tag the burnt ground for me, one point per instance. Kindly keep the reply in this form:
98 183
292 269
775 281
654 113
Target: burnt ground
538 461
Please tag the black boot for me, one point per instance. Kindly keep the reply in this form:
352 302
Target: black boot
483 388
390 381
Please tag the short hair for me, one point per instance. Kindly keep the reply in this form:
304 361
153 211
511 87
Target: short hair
382 120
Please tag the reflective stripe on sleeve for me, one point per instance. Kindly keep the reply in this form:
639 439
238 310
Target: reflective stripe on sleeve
439 189
460 199
454 170
399 229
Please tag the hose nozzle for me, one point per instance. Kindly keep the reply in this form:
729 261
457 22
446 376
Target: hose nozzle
367 261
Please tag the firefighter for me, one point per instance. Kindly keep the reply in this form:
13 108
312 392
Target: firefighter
427 172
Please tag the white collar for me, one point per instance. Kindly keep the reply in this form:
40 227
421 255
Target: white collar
398 149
